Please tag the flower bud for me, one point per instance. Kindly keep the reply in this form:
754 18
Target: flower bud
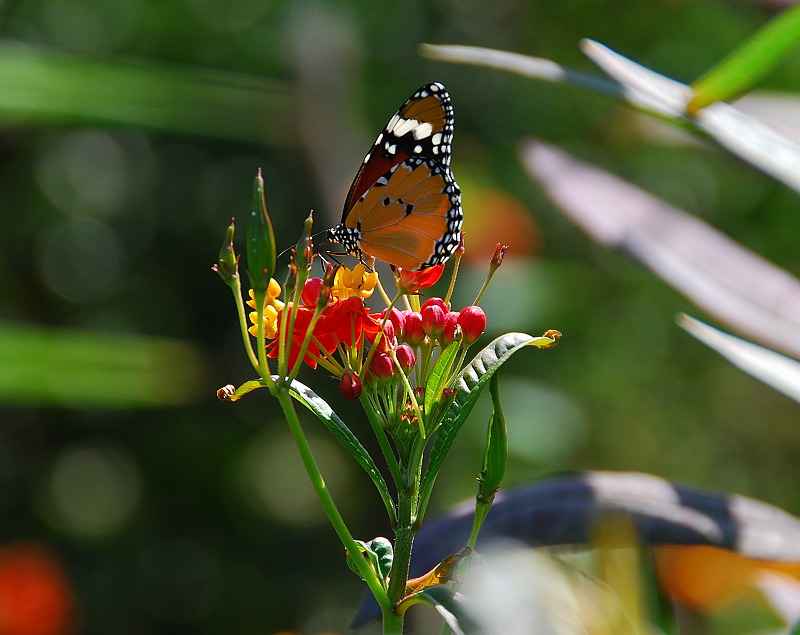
472 321
433 320
436 302
405 357
311 291
350 387
397 318
451 329
228 263
412 328
498 256
381 366
261 253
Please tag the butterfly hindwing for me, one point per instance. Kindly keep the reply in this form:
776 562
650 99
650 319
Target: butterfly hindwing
410 217
404 206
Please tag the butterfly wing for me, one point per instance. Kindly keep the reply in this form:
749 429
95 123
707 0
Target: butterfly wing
404 206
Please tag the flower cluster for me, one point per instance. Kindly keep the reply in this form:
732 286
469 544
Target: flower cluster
386 355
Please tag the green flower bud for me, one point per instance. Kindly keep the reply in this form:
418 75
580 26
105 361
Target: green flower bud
260 240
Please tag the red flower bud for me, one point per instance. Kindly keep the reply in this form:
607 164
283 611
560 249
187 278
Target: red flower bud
381 366
310 291
350 387
397 318
432 320
499 254
412 328
436 302
473 323
405 357
450 328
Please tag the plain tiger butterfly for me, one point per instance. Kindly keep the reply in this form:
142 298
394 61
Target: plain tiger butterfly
404 206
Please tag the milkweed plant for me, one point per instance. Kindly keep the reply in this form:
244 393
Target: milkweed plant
408 363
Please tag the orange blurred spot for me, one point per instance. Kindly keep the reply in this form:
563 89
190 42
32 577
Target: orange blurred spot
492 217
35 595
707 578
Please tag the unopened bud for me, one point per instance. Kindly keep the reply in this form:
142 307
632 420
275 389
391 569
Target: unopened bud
405 357
228 262
473 323
350 387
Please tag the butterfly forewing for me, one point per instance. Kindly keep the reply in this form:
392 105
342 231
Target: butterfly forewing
404 206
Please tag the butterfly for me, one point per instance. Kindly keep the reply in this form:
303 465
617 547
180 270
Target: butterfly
404 206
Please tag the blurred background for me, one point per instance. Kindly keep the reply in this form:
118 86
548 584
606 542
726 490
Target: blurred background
130 132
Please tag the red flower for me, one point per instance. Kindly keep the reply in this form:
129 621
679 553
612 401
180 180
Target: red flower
301 324
415 281
347 319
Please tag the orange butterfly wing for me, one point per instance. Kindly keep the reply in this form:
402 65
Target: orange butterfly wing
404 206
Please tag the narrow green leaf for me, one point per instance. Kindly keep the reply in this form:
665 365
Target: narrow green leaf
438 377
494 462
748 63
70 368
451 605
344 435
469 384
42 86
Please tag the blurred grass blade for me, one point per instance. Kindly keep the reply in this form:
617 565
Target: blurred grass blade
646 90
737 286
744 136
87 369
747 64
780 372
43 87
533 67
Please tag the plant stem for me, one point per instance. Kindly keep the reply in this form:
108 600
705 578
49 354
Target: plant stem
328 505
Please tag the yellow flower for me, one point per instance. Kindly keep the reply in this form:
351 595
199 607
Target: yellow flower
354 283
272 309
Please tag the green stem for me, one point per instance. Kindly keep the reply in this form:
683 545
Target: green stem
236 287
335 518
386 448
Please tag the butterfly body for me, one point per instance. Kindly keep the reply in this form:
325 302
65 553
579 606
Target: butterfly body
404 206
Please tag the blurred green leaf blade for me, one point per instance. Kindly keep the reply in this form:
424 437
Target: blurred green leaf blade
746 65
44 87
88 369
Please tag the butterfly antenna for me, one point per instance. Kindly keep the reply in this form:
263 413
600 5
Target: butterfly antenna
313 240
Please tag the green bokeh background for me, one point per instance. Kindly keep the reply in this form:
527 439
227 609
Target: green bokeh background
130 132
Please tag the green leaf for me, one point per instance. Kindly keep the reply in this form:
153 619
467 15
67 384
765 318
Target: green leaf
70 368
451 605
469 384
748 63
45 87
494 462
344 435
260 240
438 378
380 554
